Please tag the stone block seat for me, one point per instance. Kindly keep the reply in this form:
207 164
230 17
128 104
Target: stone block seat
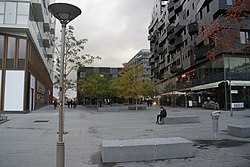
145 149
181 119
239 130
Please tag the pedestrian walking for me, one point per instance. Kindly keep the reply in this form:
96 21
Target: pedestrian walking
55 104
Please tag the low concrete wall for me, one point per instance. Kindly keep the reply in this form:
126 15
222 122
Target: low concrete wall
181 119
112 108
145 149
239 131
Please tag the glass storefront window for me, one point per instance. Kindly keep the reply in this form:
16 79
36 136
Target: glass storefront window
248 64
237 64
22 49
11 48
1 49
1 46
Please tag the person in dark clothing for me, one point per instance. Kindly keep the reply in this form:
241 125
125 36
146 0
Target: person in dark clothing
71 103
163 114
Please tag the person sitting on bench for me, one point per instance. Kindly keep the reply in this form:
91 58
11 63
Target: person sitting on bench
163 114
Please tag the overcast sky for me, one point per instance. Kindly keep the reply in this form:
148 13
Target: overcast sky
116 29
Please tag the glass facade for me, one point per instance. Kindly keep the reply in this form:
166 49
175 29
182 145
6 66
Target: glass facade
11 52
237 68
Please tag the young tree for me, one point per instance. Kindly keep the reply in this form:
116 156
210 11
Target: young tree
73 58
222 33
95 85
132 84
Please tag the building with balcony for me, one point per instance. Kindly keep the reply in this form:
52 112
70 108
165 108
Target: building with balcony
26 54
142 58
178 50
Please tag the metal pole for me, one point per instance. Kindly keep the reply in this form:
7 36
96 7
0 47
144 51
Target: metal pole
225 88
185 100
60 144
231 99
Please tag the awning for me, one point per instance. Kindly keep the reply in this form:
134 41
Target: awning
239 83
173 93
206 86
216 84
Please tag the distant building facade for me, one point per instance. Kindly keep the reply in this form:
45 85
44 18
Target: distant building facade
142 58
109 71
178 51
26 66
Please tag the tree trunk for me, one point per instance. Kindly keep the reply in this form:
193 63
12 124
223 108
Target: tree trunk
136 105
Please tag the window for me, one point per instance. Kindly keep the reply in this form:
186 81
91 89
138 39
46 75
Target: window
1 49
229 2
193 5
22 49
1 46
244 37
11 48
10 14
187 13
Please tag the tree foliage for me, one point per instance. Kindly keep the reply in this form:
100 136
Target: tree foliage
132 83
73 58
95 85
223 31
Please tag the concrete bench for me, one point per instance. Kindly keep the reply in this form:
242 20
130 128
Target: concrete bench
145 149
181 119
239 131
139 107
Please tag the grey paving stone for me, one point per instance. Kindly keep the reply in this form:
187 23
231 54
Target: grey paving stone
24 142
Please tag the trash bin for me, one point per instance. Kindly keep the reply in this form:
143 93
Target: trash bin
215 120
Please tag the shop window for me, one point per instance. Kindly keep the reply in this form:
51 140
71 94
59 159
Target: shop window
11 52
1 49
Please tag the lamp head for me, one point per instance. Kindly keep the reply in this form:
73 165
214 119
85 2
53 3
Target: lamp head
64 12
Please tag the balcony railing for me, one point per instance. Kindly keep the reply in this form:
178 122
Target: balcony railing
193 28
200 52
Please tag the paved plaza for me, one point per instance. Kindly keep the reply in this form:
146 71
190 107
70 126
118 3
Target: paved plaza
29 140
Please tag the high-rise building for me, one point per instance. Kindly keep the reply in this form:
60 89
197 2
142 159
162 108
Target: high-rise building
178 52
142 58
26 55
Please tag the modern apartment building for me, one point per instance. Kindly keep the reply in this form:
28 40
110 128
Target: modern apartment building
179 52
109 71
26 55
142 58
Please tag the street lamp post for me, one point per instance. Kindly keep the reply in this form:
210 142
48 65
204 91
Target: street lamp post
64 13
